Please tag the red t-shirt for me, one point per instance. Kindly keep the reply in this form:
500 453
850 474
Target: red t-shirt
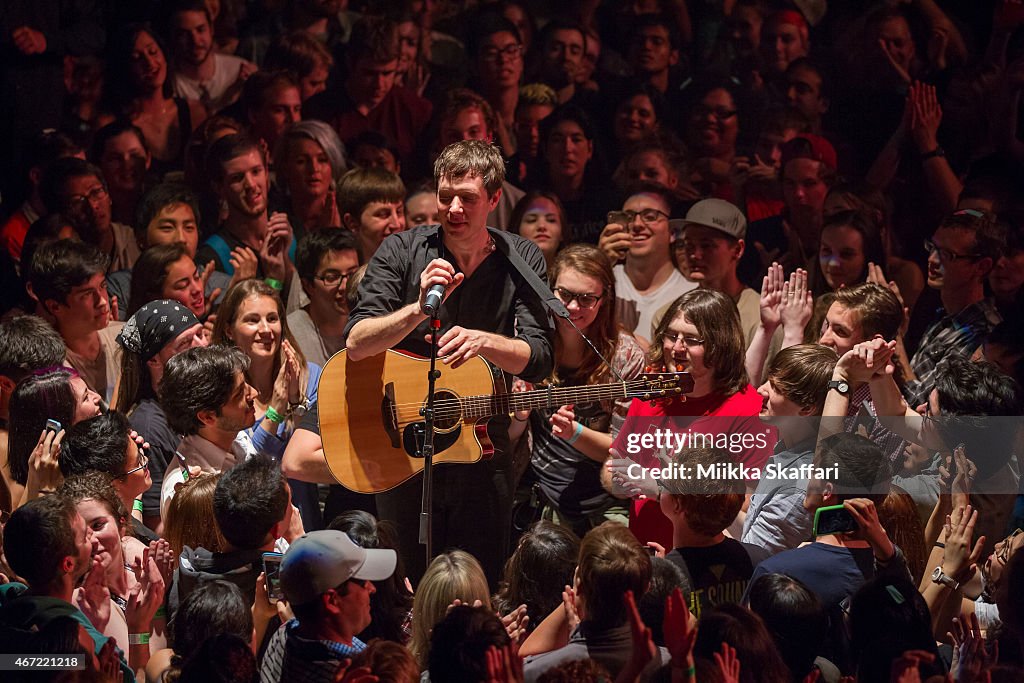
736 414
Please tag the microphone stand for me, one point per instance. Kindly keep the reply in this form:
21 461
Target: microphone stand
426 445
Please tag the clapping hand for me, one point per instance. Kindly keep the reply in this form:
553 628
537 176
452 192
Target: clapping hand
971 657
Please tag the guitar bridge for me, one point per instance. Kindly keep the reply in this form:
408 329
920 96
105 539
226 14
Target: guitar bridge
389 414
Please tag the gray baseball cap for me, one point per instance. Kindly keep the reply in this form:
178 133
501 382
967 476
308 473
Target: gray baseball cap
321 560
716 214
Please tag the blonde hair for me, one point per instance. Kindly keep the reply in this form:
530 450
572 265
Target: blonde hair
190 518
453 575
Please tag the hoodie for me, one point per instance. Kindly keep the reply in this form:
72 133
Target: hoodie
195 567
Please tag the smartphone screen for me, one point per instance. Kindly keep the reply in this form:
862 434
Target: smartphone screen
833 520
272 569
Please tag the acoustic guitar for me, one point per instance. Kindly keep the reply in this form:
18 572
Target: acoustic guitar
371 425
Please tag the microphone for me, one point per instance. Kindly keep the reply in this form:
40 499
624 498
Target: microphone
432 302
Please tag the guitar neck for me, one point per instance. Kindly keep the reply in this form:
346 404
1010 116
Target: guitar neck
503 404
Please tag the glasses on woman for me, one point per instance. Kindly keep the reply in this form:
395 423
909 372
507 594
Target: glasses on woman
688 340
583 299
143 464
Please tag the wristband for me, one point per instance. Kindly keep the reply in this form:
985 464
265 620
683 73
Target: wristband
576 434
274 416
138 639
136 506
161 612
935 153
940 544
274 284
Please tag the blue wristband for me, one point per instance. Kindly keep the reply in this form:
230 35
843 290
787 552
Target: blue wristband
576 434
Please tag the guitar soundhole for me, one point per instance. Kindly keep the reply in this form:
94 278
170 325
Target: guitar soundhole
447 411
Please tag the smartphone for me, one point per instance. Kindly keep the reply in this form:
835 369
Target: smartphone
53 426
651 551
834 519
272 570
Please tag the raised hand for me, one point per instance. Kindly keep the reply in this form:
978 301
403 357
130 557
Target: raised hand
876 276
926 117
728 664
959 557
94 597
900 72
868 360
644 649
165 559
572 615
504 665
43 466
680 630
146 596
772 286
971 657
274 250
245 263
865 514
907 667
797 305
516 623
563 422
615 241
204 277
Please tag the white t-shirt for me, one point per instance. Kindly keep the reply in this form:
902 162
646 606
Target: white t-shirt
216 93
636 311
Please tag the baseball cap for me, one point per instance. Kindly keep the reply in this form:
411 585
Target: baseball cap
809 146
716 214
321 560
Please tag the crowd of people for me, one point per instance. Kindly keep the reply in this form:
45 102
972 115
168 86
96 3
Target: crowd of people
747 276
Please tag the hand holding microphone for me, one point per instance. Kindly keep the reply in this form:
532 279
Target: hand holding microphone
437 281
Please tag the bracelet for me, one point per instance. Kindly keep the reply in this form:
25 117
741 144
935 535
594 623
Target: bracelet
274 416
137 506
940 544
576 434
274 284
937 152
138 639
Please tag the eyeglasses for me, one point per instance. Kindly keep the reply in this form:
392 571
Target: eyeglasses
584 300
647 216
94 195
1003 555
674 337
143 464
493 54
720 113
333 277
945 255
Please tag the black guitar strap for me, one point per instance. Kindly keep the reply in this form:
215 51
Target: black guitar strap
504 244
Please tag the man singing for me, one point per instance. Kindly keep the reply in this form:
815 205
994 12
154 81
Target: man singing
489 310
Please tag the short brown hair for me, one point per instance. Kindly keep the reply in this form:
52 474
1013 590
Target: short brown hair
989 234
611 562
299 53
876 307
801 373
374 39
362 186
472 158
718 321
464 98
709 503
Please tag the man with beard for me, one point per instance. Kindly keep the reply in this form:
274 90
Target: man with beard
76 190
563 45
238 171
207 400
49 545
200 72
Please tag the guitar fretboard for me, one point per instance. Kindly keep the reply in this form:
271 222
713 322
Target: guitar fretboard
477 407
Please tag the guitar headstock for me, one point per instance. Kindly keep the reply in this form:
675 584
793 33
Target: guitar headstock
654 385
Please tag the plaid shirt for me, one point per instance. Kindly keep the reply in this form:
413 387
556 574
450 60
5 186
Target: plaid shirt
292 659
862 411
959 334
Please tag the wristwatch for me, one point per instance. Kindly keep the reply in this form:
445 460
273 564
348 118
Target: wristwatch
840 385
298 409
938 576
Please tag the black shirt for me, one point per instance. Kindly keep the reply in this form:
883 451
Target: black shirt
718 573
494 298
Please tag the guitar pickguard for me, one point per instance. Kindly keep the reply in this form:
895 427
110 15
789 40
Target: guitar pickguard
412 439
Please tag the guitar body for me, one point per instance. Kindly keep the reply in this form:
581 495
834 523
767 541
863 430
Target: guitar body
370 418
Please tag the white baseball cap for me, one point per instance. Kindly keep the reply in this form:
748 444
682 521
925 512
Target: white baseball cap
321 560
